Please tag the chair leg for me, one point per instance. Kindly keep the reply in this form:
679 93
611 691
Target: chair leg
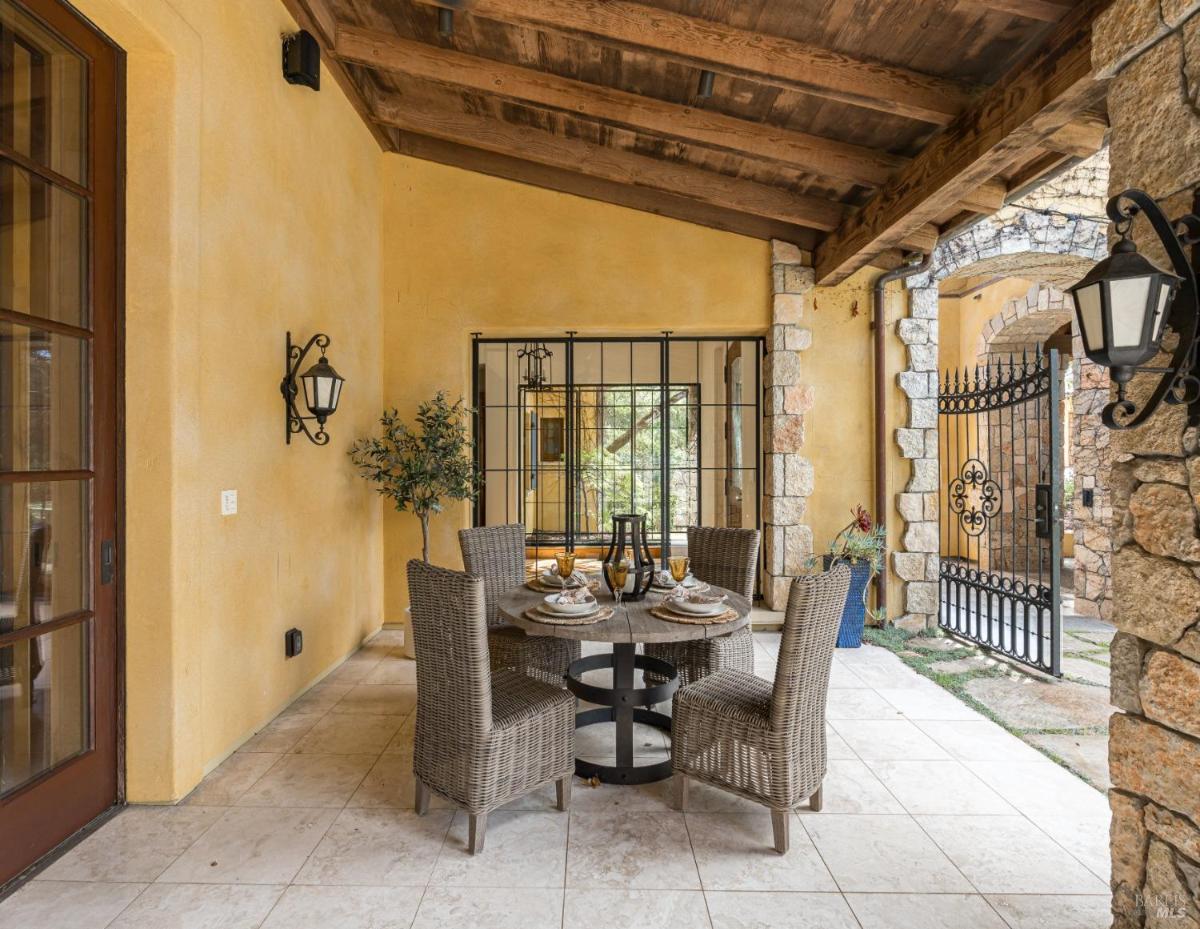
681 791
420 797
779 825
815 802
478 827
562 791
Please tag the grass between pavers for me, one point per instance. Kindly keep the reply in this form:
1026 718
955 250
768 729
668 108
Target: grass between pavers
909 647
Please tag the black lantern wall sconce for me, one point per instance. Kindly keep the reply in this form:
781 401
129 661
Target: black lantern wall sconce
1125 305
322 389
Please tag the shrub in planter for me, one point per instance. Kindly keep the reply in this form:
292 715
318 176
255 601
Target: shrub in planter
860 545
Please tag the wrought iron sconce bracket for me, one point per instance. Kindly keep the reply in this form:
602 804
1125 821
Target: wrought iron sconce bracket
293 358
1180 381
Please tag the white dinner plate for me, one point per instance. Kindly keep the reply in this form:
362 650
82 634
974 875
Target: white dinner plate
696 609
589 605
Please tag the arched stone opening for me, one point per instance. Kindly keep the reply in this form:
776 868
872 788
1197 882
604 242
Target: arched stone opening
1051 238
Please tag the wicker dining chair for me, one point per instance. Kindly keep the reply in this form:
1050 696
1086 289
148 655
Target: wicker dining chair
765 741
729 559
497 554
483 737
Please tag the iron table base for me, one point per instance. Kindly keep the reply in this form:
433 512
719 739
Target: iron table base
623 704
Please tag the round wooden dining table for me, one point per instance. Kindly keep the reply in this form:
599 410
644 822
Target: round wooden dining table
622 703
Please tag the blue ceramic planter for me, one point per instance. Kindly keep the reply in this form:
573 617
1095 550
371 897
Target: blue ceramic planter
854 612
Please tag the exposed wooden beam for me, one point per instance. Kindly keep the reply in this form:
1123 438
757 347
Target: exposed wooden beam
316 17
594 188
1031 102
612 164
773 60
1081 137
1046 11
825 157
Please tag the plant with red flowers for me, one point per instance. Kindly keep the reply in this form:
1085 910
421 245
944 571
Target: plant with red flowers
860 540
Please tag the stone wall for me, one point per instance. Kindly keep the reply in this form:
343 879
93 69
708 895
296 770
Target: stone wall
917 562
1151 50
788 481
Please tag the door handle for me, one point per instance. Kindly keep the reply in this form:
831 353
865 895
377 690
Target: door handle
107 561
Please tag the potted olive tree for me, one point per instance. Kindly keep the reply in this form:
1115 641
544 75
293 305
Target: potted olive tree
420 468
860 545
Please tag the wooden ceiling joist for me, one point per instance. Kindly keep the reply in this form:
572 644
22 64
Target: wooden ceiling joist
595 188
715 46
617 165
1046 11
1034 100
816 155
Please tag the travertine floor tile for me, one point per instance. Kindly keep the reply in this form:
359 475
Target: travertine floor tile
735 851
386 848
195 906
779 911
66 905
344 908
490 907
309 781
635 909
611 850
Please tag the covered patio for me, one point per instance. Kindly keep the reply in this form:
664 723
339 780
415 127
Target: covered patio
428 431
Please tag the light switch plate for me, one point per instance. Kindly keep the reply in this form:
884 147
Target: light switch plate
228 502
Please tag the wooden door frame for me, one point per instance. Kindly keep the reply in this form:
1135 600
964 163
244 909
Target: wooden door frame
106 258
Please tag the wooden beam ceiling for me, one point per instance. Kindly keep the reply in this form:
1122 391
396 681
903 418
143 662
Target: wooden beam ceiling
810 153
1046 11
611 164
1034 100
715 46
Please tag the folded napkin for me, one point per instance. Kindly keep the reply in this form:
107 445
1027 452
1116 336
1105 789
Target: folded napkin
576 595
664 579
692 596
551 576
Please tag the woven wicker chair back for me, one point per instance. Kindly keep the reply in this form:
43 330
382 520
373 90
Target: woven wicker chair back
454 681
497 554
810 628
725 557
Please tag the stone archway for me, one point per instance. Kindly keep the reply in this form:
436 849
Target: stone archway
1052 236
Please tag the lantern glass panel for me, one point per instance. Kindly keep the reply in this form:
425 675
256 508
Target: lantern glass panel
1091 323
1160 312
1129 305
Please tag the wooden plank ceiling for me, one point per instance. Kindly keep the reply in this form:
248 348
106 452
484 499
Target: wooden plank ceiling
856 128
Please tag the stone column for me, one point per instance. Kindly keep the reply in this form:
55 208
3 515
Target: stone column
1151 50
917 564
787 539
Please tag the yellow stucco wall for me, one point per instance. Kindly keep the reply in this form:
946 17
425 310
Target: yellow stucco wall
465 252
252 208
840 432
961 320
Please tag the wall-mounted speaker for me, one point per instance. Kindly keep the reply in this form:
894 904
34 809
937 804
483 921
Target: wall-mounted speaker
302 60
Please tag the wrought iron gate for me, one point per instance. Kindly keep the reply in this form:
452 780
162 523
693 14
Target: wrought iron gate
1001 480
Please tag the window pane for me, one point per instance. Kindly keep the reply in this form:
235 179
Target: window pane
43 704
43 400
44 552
43 115
43 248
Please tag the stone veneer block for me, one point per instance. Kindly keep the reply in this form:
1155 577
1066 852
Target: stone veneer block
1157 599
1125 671
1129 841
786 253
1170 692
788 309
1155 762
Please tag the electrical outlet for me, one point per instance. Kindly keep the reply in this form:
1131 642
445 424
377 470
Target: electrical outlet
293 643
228 502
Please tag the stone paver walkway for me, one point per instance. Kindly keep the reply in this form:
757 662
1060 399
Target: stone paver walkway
935 818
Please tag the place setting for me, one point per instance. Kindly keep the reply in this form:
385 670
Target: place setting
562 576
688 600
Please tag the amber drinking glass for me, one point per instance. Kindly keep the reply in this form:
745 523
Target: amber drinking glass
566 565
618 574
679 567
